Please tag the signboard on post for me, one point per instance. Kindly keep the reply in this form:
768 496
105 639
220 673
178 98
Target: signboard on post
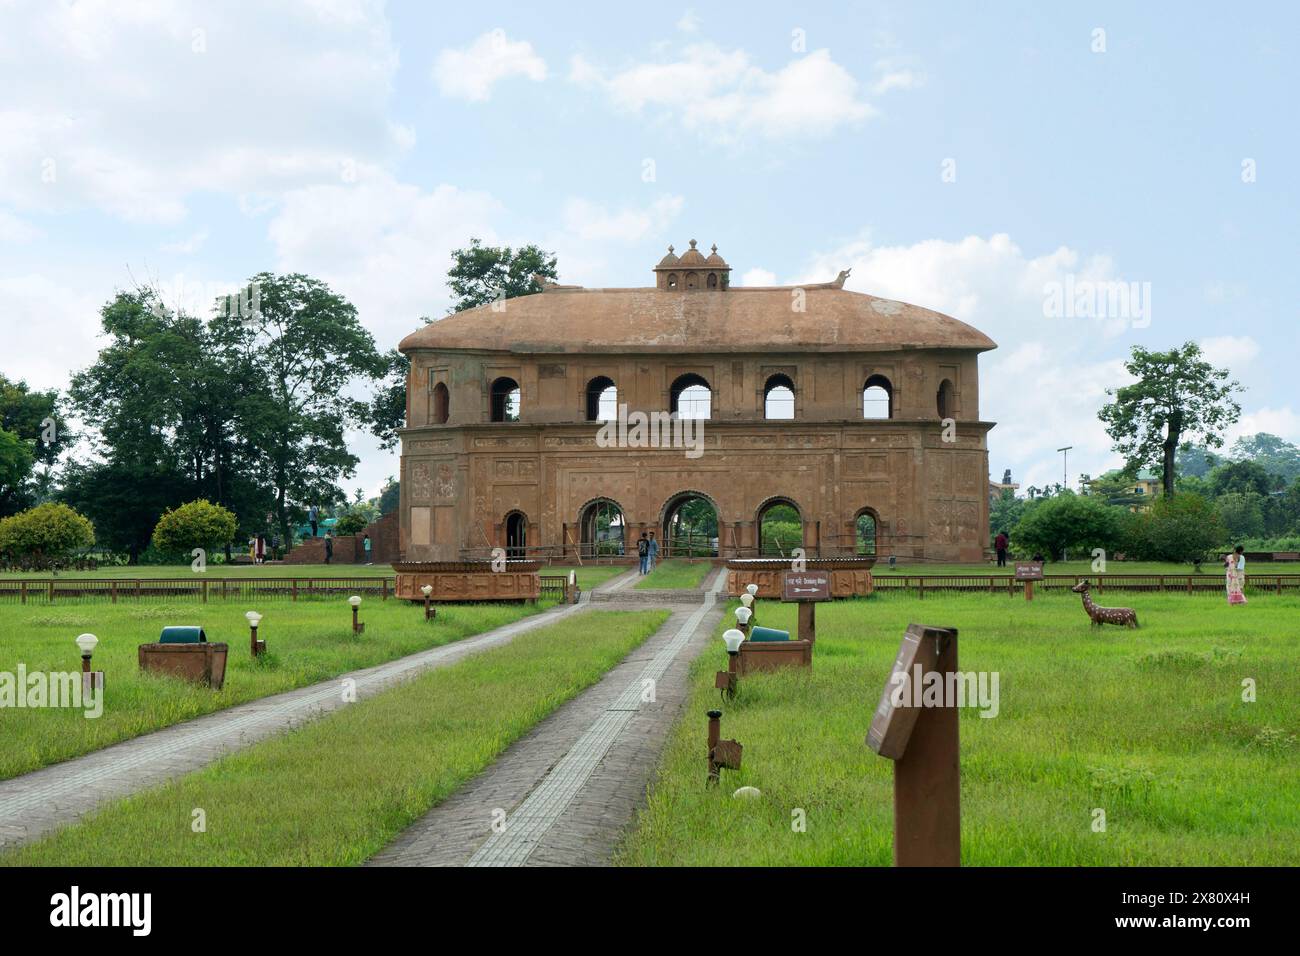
1029 572
806 586
923 743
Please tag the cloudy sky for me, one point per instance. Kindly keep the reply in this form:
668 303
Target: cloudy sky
983 160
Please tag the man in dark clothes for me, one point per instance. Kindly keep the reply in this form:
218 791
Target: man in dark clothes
643 551
1000 542
329 547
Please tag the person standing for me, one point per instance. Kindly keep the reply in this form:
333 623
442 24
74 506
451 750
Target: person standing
643 551
1235 564
1000 543
365 546
261 549
329 547
652 553
313 516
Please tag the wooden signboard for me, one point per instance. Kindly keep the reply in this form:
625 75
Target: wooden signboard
923 743
806 586
1029 570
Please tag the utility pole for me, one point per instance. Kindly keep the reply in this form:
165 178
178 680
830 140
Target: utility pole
1065 465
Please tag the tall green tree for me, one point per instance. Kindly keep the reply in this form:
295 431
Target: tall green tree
480 274
1244 477
293 364
1178 396
1273 454
39 434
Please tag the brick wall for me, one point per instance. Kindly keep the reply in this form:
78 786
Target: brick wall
348 550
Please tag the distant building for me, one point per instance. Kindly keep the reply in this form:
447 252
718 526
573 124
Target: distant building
996 488
1148 486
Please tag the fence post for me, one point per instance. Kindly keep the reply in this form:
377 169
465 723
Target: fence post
22 590
113 591
1189 585
920 588
137 589
51 591
385 589
205 592
295 589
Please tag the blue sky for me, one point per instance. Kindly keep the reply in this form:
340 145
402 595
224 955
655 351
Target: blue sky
963 157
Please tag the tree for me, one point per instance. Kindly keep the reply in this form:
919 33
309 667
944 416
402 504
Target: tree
390 496
481 274
1273 454
1067 522
196 524
1194 461
16 460
1243 477
291 366
1006 511
43 536
1177 396
1242 514
388 407
1182 528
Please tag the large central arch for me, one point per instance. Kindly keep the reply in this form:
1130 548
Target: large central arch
601 529
688 526
778 524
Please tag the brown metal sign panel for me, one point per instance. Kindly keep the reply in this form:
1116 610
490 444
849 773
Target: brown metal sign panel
891 724
727 753
1029 571
806 586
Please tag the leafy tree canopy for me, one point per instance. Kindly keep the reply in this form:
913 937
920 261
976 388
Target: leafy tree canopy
1177 396
195 524
43 536
480 274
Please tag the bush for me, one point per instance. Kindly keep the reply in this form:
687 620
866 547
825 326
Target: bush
1067 522
351 523
196 524
45 535
1182 528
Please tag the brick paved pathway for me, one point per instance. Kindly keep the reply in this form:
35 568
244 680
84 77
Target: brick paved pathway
566 790
37 802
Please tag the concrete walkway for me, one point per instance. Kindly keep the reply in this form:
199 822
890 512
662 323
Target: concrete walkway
563 794
37 802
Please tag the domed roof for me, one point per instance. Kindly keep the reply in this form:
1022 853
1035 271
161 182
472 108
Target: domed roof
693 257
668 261
741 319
714 259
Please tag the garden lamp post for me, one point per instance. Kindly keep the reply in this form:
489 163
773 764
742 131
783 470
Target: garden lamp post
254 645
726 680
429 612
357 626
89 679
743 614
747 601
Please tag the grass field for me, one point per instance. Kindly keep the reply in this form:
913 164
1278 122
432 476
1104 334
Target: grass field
1083 567
339 789
306 642
1147 725
675 574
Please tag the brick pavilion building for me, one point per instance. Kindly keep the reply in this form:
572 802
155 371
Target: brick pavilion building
852 419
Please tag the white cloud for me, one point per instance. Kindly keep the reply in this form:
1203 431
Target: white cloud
896 80
689 22
470 74
50 330
595 222
1283 422
187 246
758 277
1234 351
724 96
131 108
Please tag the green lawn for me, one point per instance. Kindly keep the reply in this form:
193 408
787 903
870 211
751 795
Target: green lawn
307 642
589 575
676 573
1148 725
337 790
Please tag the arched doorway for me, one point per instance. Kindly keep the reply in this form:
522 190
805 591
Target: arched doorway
441 404
691 397
689 526
601 529
516 535
505 400
602 399
877 398
946 400
866 533
778 397
780 527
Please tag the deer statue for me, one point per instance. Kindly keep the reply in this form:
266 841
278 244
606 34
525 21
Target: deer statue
1105 615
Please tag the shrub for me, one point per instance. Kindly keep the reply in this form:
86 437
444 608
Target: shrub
1067 522
41 537
196 524
351 523
1182 528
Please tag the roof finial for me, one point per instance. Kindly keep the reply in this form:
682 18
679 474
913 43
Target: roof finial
670 247
692 243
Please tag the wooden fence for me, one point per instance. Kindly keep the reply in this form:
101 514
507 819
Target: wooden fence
1101 583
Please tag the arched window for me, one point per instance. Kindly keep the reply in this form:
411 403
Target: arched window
713 280
505 400
602 399
946 400
441 404
778 397
672 280
692 280
864 532
516 534
691 397
780 528
877 398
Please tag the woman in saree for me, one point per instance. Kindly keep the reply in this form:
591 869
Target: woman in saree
1235 565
